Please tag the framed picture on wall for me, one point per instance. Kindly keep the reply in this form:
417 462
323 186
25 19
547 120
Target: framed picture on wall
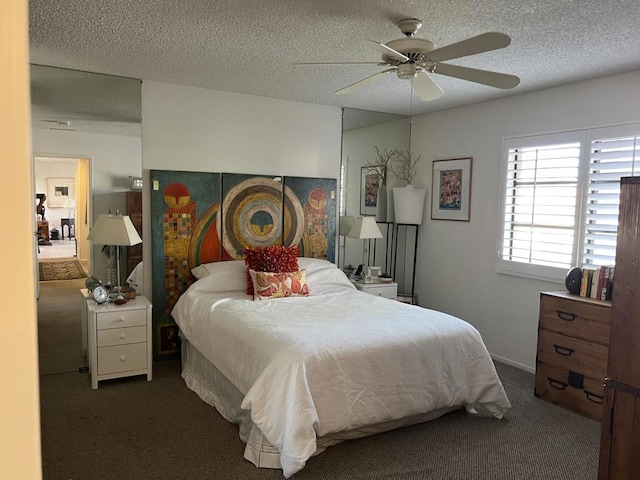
59 190
369 186
451 189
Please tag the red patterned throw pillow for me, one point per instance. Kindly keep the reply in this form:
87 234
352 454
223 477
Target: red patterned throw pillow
276 259
268 285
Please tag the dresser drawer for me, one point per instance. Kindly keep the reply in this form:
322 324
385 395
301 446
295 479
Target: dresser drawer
123 318
122 336
122 358
578 318
553 385
569 353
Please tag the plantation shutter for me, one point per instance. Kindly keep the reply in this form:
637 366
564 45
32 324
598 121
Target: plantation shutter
610 159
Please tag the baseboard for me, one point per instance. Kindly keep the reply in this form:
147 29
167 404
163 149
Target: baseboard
512 363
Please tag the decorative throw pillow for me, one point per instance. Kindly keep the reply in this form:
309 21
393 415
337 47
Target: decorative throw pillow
269 285
276 258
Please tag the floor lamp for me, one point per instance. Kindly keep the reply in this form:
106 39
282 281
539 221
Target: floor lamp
365 228
117 230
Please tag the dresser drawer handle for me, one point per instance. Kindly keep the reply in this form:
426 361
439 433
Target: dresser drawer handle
566 316
122 335
564 351
592 397
123 358
556 384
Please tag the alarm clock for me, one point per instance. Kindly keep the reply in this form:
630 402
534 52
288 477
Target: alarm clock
100 294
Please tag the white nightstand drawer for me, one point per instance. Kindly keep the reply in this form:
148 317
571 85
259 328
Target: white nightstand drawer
122 358
382 291
122 318
122 336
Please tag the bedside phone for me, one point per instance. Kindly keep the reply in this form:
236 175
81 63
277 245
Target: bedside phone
359 271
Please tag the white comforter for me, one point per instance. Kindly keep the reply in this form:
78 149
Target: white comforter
337 360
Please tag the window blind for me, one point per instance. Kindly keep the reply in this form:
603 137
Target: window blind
610 159
540 204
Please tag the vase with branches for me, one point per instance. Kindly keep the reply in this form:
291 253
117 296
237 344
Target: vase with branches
408 201
403 164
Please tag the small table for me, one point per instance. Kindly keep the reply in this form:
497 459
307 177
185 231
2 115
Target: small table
70 223
120 340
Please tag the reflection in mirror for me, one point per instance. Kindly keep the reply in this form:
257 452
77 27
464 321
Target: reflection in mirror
362 132
87 131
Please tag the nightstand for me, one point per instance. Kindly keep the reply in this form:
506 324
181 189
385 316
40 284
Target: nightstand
378 288
119 338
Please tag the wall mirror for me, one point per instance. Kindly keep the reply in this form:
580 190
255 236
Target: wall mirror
362 132
86 130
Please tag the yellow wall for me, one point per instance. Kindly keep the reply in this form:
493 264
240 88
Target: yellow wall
19 406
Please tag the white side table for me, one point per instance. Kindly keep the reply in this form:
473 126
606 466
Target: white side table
378 288
120 341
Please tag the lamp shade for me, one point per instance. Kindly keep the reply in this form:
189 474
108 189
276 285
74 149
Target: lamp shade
97 225
365 227
346 223
114 230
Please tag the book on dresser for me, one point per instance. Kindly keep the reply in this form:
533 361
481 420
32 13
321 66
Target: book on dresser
572 351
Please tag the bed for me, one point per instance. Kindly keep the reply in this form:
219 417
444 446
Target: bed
299 374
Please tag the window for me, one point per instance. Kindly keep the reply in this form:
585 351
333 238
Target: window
560 200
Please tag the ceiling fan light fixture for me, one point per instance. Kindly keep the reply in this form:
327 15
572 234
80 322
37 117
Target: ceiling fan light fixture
407 71
409 26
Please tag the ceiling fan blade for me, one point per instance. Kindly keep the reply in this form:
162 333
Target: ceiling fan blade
364 82
320 64
425 87
471 46
382 48
492 79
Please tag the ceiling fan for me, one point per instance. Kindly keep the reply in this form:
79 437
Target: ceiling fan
416 58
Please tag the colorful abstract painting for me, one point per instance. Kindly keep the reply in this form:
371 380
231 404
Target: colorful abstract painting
251 212
317 196
184 212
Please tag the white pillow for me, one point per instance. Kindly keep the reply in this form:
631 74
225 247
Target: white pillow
218 267
223 276
311 264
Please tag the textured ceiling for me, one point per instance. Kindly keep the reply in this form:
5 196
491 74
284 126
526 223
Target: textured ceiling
251 46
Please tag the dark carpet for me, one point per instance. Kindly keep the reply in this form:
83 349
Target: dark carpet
134 429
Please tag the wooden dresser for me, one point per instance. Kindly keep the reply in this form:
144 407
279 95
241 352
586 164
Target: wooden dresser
573 346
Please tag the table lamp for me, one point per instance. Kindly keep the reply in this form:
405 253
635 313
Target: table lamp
365 228
117 230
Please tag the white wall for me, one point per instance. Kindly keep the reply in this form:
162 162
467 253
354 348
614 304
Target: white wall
113 159
196 129
456 271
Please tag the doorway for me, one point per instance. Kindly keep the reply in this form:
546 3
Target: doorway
61 184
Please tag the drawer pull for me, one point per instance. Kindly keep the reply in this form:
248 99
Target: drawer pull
564 351
122 335
592 397
557 384
123 358
566 316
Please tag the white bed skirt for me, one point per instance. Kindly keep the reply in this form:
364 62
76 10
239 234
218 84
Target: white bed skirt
215 389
